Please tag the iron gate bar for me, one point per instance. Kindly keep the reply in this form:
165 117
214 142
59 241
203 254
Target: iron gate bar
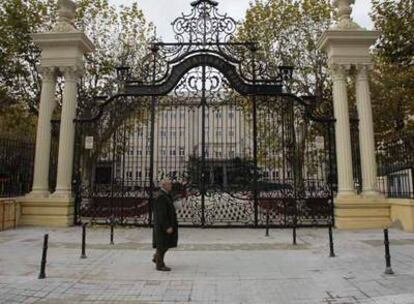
256 177
153 109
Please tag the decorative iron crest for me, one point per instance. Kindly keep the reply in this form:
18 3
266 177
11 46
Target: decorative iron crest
204 24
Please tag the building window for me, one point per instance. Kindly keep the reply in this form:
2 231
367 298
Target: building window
231 133
275 174
182 152
219 153
231 115
138 174
147 173
140 132
129 174
172 152
231 153
163 151
218 115
139 152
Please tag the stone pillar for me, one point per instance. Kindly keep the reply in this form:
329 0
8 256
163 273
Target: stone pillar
67 133
43 138
366 132
348 45
342 131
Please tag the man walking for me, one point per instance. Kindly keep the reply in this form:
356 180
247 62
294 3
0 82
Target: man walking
165 231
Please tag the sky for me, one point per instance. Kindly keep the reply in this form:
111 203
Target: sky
163 12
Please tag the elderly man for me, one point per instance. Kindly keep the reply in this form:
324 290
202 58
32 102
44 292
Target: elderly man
165 232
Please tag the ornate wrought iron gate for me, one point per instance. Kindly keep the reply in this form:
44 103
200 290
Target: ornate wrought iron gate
220 122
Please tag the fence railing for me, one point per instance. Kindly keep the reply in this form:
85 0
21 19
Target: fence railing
396 167
16 167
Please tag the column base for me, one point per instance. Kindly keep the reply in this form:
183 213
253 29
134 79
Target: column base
62 194
49 211
402 213
359 212
372 194
38 193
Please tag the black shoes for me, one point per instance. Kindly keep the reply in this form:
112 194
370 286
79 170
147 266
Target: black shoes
160 266
163 268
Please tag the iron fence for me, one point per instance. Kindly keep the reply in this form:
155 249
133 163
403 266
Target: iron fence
16 166
396 167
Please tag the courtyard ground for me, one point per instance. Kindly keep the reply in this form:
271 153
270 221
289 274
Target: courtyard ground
210 266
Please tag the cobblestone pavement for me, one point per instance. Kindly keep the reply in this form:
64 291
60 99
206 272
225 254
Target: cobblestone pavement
210 266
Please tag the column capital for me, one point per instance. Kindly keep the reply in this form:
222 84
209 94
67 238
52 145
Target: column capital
362 71
48 73
72 73
339 71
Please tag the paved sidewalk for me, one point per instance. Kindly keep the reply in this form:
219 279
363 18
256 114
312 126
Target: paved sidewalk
210 266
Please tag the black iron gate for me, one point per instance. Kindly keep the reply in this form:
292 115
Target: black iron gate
219 122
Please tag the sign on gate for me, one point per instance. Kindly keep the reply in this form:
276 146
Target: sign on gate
89 142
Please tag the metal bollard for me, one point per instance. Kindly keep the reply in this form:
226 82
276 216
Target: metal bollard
294 234
83 254
331 243
388 269
112 233
42 273
267 223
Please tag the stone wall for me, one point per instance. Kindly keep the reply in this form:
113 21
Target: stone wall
9 214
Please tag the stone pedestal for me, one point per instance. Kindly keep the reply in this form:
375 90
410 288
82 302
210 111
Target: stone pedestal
47 212
358 212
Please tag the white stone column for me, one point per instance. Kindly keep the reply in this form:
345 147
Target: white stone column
67 133
43 138
366 132
342 131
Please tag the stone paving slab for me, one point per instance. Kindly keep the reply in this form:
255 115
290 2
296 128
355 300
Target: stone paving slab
210 266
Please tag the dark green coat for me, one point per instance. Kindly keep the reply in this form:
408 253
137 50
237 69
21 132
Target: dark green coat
164 217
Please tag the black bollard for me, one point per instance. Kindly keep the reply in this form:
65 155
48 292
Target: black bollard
267 223
83 254
112 233
331 243
42 273
388 269
294 234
